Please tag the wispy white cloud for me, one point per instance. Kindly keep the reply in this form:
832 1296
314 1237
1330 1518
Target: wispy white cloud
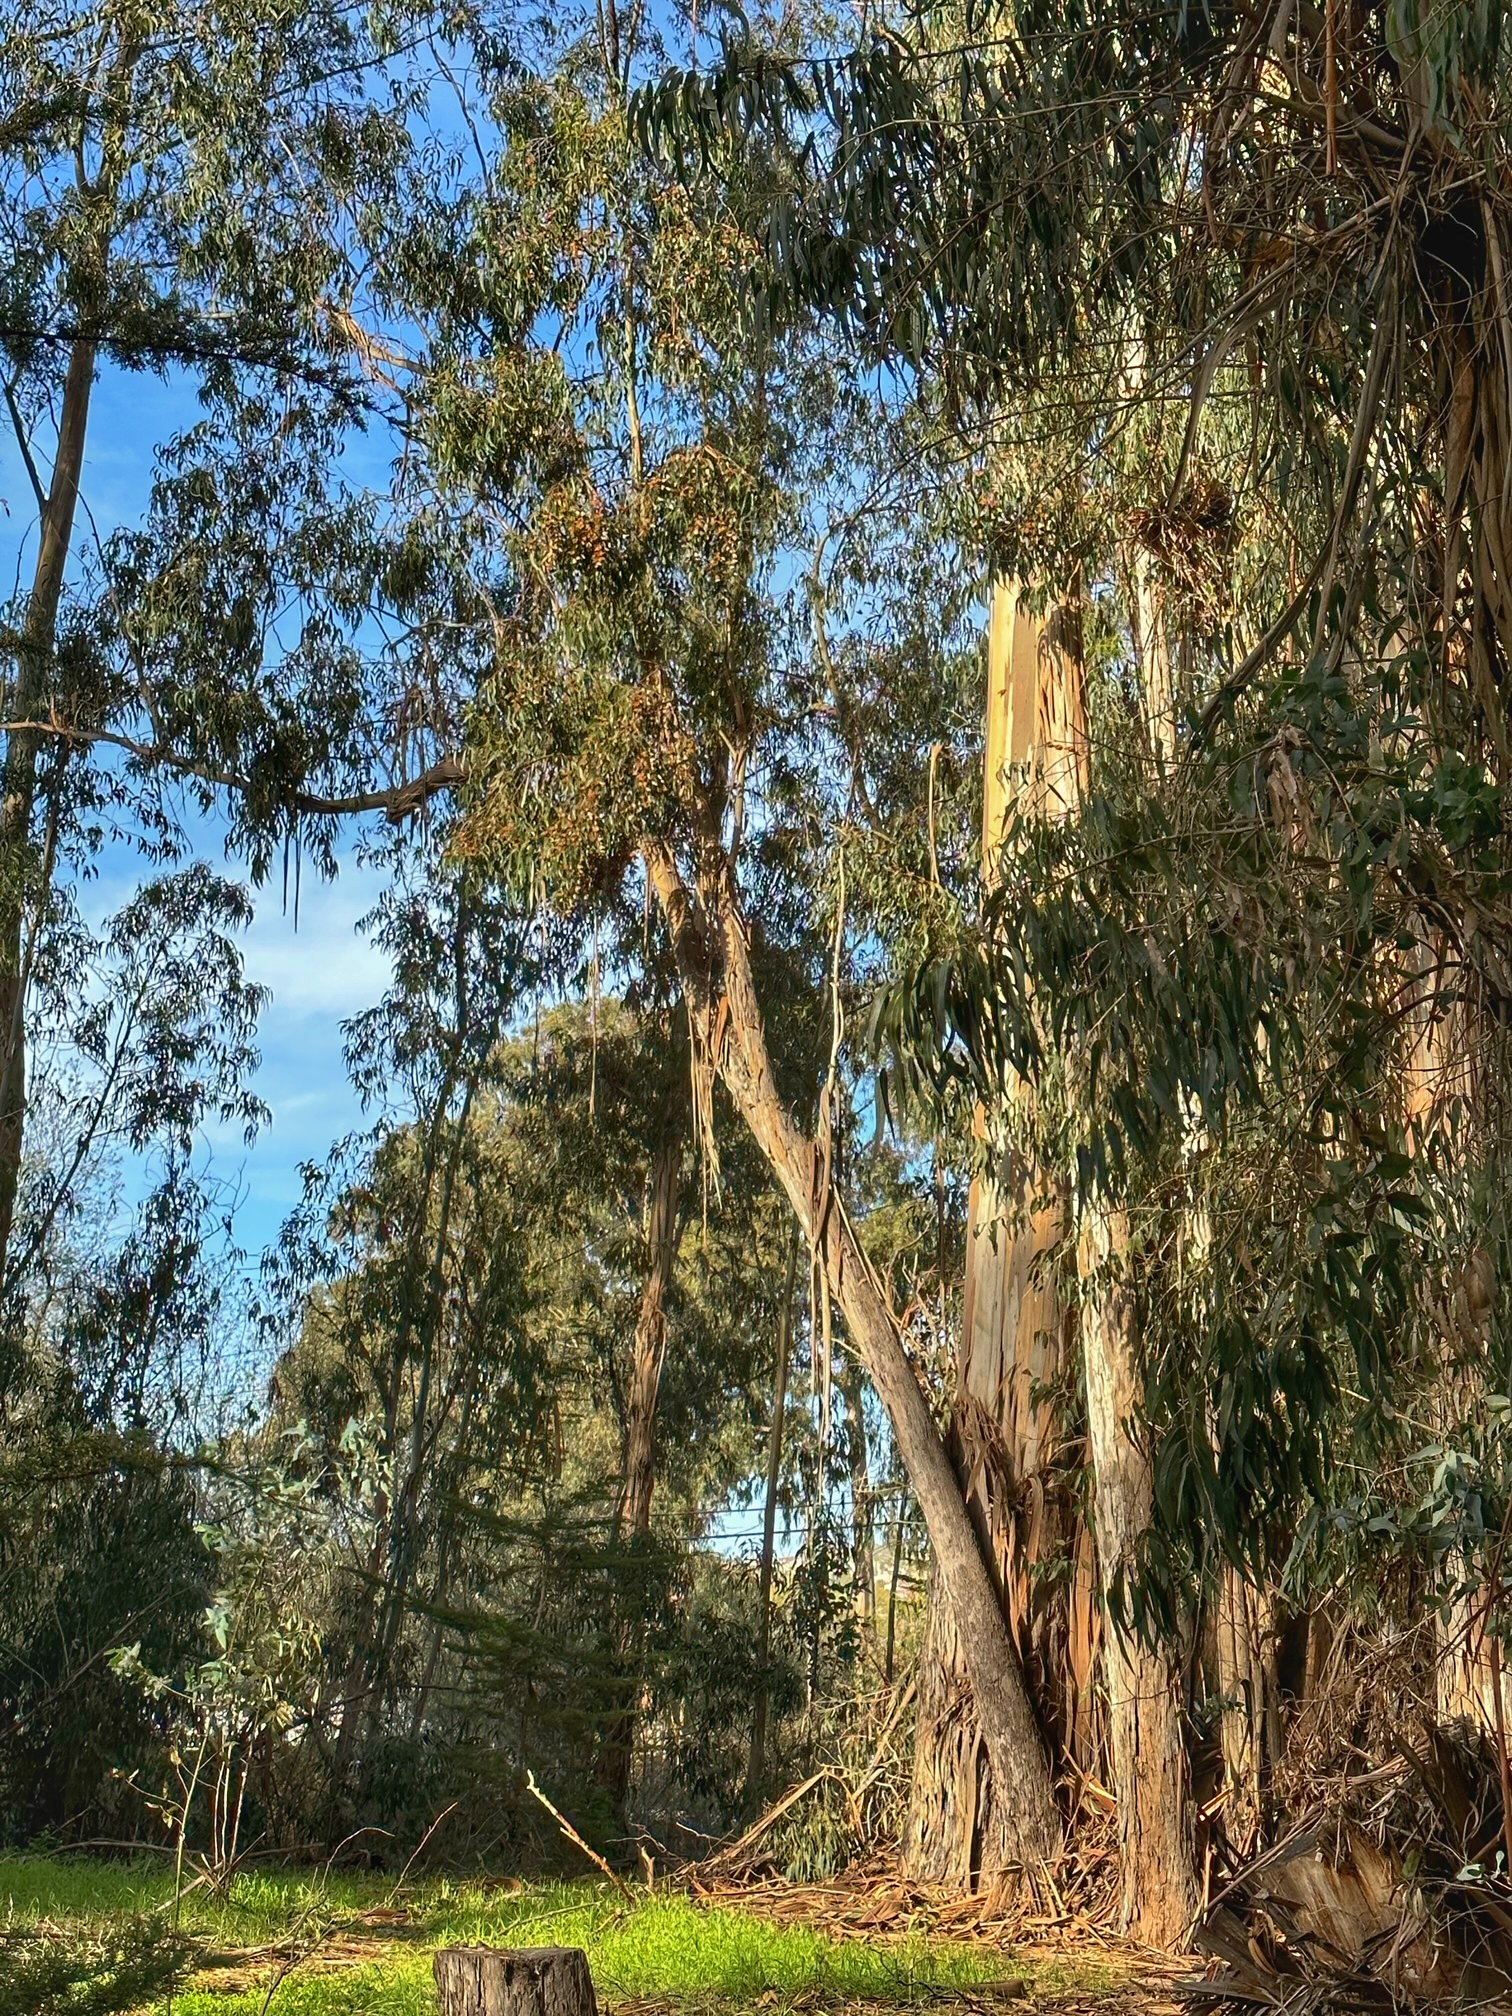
324 967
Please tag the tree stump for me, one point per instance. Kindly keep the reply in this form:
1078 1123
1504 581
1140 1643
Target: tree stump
528 1981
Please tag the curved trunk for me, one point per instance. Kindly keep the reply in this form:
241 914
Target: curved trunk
709 943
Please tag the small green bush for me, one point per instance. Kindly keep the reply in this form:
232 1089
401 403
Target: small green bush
51 1973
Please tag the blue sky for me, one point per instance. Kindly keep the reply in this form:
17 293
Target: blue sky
318 972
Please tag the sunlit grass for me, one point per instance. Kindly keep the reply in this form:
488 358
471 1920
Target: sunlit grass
78 1890
665 1947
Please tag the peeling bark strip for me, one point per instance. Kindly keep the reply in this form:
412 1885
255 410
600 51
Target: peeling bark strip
709 945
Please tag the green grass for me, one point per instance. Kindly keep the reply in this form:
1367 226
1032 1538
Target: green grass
666 1947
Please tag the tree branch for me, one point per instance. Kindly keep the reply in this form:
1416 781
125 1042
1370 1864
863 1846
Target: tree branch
395 801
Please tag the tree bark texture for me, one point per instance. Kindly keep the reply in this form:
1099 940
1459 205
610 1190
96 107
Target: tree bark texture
1020 1483
1015 1348
709 942
1159 1892
1246 1681
531 1981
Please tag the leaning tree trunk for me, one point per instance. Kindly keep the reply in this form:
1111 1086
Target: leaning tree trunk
1005 1436
708 935
1159 1896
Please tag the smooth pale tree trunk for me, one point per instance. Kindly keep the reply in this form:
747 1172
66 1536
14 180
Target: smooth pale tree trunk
1014 1348
1142 1683
756 1771
708 934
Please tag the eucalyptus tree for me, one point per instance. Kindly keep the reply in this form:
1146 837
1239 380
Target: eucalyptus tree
718 576
188 203
1289 225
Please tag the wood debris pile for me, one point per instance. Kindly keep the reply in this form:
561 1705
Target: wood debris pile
1390 1894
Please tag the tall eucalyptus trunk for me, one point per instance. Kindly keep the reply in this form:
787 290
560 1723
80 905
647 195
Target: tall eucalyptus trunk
1007 1440
23 890
1141 1681
25 872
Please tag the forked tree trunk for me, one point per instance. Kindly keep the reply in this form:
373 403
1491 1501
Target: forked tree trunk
708 937
1159 1892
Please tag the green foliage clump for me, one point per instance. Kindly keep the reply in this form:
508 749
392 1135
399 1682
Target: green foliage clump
107 1972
